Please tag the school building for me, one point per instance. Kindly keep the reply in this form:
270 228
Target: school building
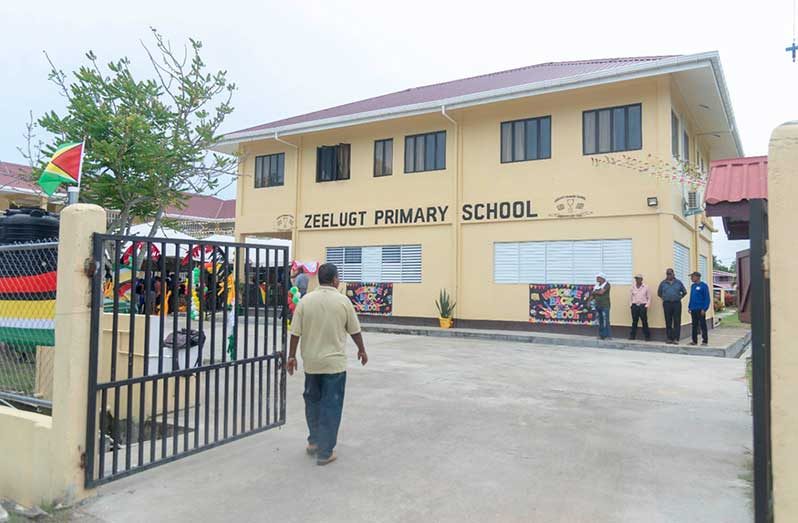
510 190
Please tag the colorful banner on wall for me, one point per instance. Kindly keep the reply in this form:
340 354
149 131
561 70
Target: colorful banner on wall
371 298
27 297
561 303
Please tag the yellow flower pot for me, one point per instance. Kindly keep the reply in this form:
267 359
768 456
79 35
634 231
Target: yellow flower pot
446 323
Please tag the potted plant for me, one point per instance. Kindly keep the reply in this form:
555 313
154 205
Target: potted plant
445 308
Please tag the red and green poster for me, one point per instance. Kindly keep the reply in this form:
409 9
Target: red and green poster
561 303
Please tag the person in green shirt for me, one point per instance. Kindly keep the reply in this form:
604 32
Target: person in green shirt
601 299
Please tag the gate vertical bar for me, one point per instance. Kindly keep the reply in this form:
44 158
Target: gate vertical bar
94 350
760 353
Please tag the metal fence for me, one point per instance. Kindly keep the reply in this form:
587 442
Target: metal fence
27 324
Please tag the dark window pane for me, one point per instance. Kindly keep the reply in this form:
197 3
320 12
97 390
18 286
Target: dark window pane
327 164
342 157
619 129
387 157
544 150
674 135
634 127
258 170
507 142
686 148
352 254
604 128
429 157
531 139
379 161
410 154
518 141
589 131
440 151
420 153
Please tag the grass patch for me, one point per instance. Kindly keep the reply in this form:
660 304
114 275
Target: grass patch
730 319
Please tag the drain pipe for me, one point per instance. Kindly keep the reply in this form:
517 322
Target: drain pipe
457 204
295 229
277 138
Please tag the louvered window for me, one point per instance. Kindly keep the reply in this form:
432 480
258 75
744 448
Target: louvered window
390 263
681 262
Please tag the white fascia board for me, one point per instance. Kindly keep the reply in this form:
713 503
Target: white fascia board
728 111
619 74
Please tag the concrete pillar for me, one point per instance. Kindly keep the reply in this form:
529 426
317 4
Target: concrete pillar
72 328
783 253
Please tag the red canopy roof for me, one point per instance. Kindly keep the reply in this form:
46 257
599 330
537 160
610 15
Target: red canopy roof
737 179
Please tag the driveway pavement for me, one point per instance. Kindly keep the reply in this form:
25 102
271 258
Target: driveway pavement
447 429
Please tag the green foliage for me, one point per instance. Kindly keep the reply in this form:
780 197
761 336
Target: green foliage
146 140
444 305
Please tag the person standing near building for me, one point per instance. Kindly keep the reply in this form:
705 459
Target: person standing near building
671 291
698 306
640 301
301 281
601 298
322 320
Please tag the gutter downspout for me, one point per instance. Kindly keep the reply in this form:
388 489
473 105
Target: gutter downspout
295 229
458 255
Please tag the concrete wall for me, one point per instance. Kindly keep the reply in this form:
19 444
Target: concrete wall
458 255
783 253
41 458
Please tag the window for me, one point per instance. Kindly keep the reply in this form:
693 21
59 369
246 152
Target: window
526 139
383 157
332 162
685 147
269 170
681 262
611 130
389 263
674 135
425 152
562 261
702 267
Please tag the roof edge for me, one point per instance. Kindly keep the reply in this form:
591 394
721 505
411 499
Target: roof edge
229 142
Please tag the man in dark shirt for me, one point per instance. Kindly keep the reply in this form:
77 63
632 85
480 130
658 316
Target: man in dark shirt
671 291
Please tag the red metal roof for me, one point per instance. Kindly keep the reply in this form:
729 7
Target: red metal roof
16 176
737 179
476 84
204 206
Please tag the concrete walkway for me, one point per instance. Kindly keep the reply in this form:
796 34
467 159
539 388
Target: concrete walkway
723 343
450 429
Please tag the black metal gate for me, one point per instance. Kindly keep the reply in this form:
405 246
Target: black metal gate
187 350
760 355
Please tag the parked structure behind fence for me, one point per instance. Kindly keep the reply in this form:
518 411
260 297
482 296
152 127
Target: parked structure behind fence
27 317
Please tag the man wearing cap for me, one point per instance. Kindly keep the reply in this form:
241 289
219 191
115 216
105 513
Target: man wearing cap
672 290
641 301
600 295
698 306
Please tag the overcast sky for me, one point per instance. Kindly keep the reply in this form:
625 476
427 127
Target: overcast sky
288 59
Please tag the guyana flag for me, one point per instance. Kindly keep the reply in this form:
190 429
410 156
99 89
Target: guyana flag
64 167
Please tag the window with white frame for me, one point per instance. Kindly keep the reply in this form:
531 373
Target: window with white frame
681 262
562 261
386 263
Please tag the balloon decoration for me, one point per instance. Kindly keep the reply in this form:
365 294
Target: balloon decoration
293 298
194 284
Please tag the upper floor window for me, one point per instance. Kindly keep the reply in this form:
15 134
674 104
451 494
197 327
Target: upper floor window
674 135
383 157
526 139
269 170
612 129
685 147
332 162
425 152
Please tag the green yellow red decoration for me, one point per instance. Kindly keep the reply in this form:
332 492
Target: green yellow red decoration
64 167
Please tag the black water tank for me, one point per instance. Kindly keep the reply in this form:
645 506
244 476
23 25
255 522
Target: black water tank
28 224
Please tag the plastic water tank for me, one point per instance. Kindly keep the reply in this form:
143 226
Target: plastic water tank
28 224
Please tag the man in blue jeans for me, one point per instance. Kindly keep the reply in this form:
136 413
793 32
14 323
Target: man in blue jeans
322 320
700 302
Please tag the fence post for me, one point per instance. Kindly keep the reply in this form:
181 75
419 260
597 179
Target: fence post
72 329
783 252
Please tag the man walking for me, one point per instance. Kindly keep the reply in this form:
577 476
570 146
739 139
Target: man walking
671 291
641 301
698 306
322 319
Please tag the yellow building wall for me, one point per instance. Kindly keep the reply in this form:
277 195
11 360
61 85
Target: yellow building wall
615 197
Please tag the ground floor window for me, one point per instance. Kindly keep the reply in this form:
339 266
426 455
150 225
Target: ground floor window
702 267
681 262
562 261
385 263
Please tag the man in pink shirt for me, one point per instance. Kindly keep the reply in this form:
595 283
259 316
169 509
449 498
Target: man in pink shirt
641 300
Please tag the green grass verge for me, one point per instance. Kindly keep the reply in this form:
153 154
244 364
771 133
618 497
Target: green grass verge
730 319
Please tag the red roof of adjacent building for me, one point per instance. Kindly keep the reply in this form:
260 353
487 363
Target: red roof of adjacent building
15 176
737 179
475 84
205 207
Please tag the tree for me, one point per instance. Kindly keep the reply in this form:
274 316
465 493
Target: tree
146 140
718 265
